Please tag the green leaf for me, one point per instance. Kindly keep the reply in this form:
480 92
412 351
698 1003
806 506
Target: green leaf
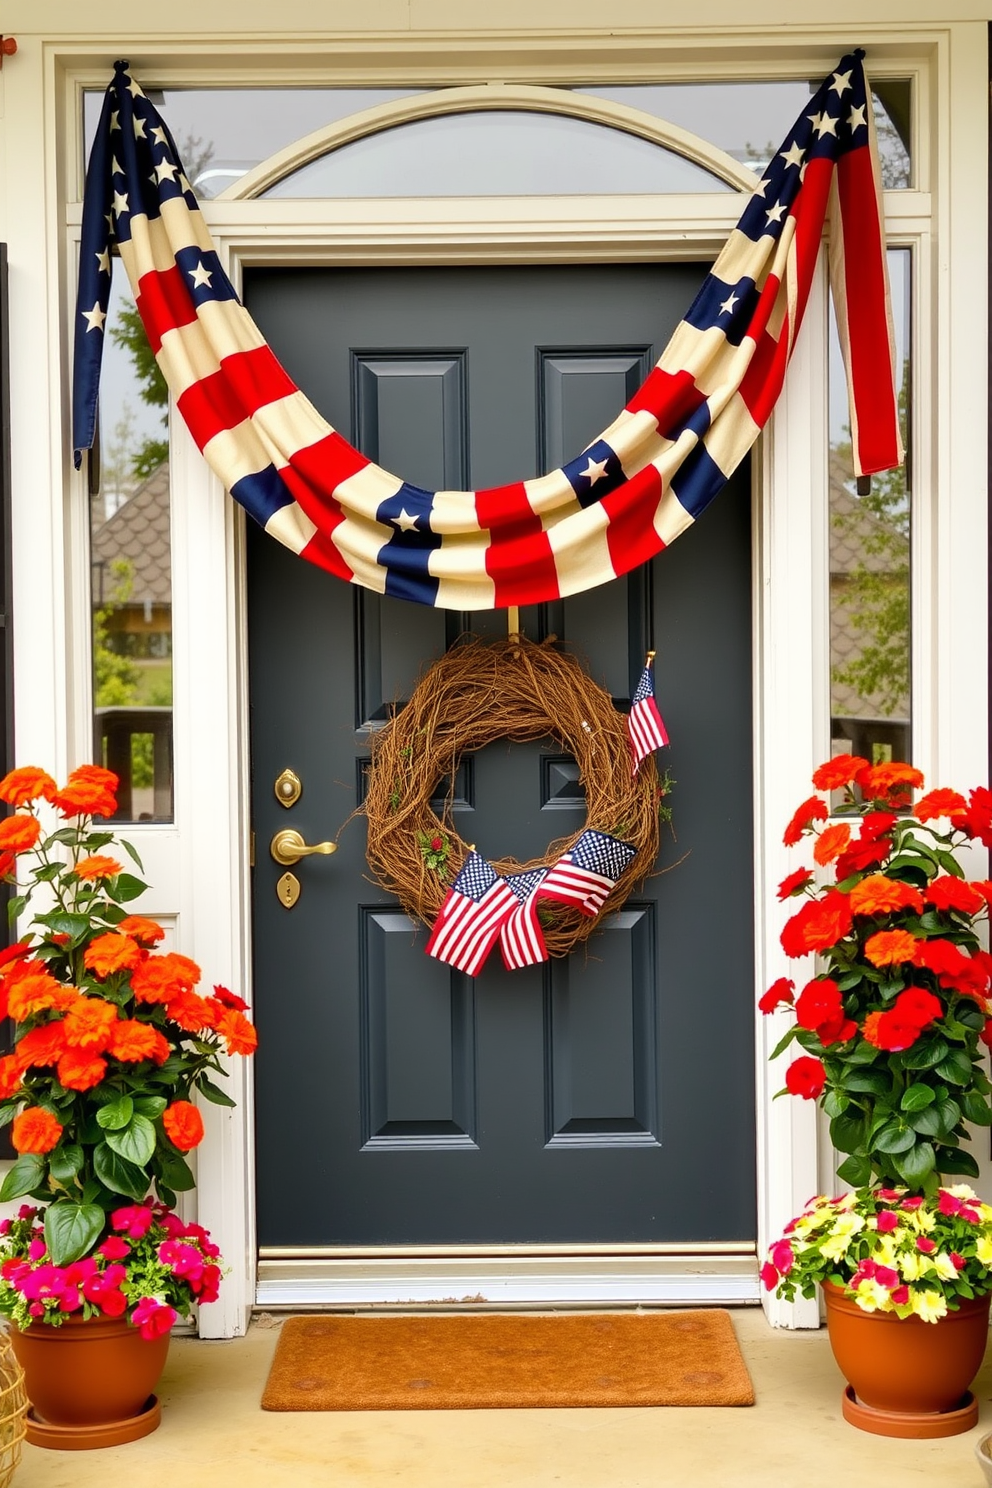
855 1171
972 1017
955 1067
849 980
26 1174
132 853
954 1160
936 1120
847 1133
220 1097
117 1174
151 1106
15 907
895 1137
116 1113
862 1053
915 1097
166 1194
916 1164
175 1171
871 1082
65 1162
925 1053
976 1108
76 926
136 1142
71 1230
127 887
834 1103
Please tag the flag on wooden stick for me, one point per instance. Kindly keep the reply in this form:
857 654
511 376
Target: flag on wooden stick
645 724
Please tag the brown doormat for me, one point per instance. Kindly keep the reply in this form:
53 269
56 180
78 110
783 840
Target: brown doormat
481 1361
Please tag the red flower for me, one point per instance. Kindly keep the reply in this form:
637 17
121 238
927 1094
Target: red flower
877 781
89 791
794 882
919 1006
819 924
806 1077
779 992
838 772
819 1002
769 1276
19 833
41 1046
888 1031
947 893
887 1221
811 810
229 999
977 820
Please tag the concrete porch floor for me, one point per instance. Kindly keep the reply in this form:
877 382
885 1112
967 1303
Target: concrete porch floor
213 1435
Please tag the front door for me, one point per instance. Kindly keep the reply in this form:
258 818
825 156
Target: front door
603 1099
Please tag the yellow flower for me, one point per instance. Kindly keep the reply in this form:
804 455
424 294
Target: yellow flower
983 1250
929 1305
962 1191
871 1297
944 1266
913 1265
838 1242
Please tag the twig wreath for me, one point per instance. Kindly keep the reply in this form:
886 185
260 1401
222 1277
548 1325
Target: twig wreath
479 692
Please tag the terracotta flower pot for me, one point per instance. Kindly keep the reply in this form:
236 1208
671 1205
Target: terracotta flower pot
90 1382
907 1377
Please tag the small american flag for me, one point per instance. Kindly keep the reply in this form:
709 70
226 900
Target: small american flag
587 872
520 938
470 918
644 723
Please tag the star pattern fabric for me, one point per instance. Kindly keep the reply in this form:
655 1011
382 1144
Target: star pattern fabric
623 499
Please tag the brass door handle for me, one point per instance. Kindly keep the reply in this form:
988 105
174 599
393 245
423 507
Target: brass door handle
288 847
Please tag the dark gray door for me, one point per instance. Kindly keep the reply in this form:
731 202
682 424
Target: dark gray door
606 1098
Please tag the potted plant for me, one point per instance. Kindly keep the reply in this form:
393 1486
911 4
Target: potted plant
111 1043
891 1027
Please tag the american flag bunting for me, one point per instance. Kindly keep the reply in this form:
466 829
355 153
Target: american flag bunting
521 938
645 724
627 496
586 873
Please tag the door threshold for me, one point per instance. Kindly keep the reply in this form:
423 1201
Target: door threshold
546 1277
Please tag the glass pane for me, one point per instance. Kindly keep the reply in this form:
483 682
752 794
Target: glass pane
870 597
223 133
497 153
749 120
131 583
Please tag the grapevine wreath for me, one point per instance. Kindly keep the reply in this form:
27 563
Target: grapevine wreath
478 692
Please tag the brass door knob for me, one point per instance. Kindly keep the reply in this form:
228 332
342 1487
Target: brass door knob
288 847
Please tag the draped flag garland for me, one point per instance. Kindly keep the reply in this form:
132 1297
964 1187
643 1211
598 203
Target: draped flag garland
627 496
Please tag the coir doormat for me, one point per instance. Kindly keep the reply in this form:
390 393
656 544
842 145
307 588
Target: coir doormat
484 1361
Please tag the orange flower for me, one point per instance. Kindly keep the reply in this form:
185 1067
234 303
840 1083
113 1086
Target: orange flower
32 993
812 809
879 895
145 932
89 791
35 1130
41 1046
831 841
838 771
11 1074
111 952
940 803
191 1011
26 784
183 1125
132 1041
98 865
90 1024
238 1034
880 780
891 947
161 978
79 1070
19 833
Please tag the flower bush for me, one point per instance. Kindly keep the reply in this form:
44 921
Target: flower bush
150 1266
893 1021
892 1251
112 1041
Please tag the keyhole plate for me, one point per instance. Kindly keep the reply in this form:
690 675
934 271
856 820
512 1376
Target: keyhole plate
288 890
288 788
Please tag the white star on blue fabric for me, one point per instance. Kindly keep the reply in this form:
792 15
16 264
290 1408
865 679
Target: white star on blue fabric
856 118
201 276
841 83
120 203
94 317
405 522
793 155
165 171
774 214
594 471
728 304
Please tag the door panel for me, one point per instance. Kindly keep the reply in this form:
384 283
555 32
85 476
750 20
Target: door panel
603 1098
